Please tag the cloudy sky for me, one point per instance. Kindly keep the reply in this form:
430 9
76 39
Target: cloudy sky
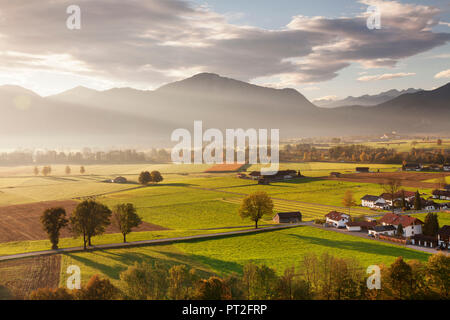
323 48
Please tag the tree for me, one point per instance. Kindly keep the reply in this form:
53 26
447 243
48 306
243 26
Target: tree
392 187
145 178
212 289
431 225
82 170
417 201
47 170
51 294
400 230
439 142
156 177
125 218
255 206
181 281
98 289
53 219
36 171
438 270
144 281
398 279
349 200
89 219
68 170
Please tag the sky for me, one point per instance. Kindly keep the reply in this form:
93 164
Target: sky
322 48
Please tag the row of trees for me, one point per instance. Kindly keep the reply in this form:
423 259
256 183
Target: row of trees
47 170
361 153
86 156
89 219
322 277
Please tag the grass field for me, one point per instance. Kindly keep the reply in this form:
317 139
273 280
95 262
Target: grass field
278 249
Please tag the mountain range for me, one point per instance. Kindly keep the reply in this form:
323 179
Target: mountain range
365 100
130 117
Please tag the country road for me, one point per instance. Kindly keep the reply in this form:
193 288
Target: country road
146 242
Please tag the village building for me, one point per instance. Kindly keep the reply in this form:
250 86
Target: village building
441 194
446 167
337 219
411 226
120 180
382 230
370 201
288 217
444 237
360 225
362 169
412 167
409 195
424 241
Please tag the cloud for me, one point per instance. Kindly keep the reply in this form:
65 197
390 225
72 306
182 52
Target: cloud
149 43
443 74
386 76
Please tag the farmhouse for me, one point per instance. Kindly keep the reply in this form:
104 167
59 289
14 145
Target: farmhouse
447 187
412 167
337 219
360 225
409 195
441 194
446 167
370 201
362 169
444 237
288 217
424 241
120 180
411 226
279 176
335 174
382 230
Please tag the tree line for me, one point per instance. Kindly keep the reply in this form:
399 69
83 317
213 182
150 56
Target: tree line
323 277
86 156
89 219
361 153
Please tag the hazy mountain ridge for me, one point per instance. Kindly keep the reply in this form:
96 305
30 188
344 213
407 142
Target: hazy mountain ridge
365 100
131 116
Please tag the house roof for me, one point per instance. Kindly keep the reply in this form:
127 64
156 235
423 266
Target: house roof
408 194
444 231
396 219
288 215
368 197
383 228
336 216
441 193
361 224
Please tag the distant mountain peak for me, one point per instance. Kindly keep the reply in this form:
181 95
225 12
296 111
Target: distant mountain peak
15 89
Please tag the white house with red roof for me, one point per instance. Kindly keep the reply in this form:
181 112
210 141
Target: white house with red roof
411 226
337 219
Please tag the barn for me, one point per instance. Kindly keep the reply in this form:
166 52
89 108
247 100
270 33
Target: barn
288 217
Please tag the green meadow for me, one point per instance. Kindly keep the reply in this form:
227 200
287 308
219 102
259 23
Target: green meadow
278 249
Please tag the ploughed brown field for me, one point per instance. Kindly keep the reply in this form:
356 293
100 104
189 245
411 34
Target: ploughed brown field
22 222
18 278
408 179
225 168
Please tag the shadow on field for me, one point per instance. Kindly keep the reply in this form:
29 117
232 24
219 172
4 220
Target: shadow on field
376 248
